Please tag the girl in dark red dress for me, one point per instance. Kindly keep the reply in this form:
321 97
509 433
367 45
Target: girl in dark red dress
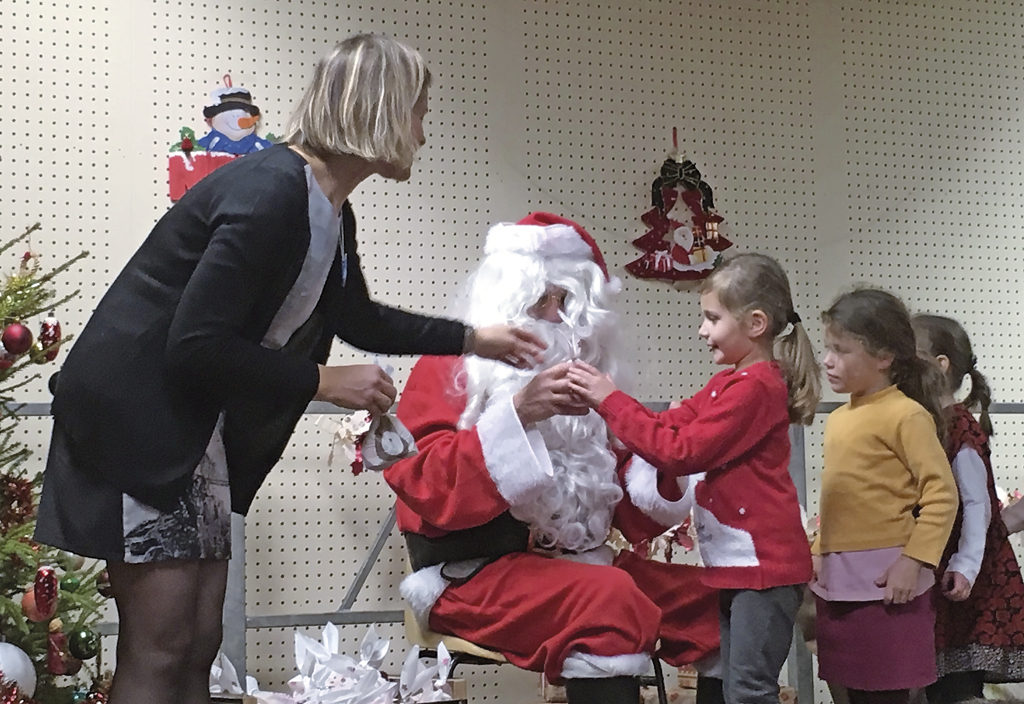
979 597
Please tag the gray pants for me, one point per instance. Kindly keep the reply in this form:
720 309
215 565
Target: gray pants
757 629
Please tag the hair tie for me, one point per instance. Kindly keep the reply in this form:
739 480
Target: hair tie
793 318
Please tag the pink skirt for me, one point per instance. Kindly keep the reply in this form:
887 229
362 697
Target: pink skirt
868 645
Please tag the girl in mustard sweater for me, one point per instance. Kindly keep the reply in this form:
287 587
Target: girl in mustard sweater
888 501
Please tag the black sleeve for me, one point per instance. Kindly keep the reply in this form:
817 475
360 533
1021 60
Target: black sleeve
254 228
372 326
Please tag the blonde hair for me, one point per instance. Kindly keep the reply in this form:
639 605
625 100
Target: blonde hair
361 101
749 282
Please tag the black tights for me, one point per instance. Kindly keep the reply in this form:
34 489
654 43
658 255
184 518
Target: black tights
885 696
956 687
169 630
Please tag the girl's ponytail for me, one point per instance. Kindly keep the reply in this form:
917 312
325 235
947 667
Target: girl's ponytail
752 281
803 373
981 398
924 382
945 337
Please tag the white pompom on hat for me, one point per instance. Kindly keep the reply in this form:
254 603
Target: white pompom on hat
545 235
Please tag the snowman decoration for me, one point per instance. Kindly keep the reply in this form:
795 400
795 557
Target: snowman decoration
232 119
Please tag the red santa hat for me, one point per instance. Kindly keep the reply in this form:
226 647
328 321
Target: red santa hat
545 235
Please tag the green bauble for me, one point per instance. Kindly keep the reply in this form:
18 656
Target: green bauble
70 582
83 643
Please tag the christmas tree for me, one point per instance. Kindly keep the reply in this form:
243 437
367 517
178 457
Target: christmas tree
49 600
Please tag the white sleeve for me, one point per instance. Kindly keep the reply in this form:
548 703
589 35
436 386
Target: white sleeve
972 482
516 458
642 487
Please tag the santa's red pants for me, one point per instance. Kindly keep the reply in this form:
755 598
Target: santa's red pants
536 610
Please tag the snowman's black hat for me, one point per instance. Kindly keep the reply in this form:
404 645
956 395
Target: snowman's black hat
231 99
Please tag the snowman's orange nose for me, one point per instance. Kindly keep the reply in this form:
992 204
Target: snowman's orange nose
248 121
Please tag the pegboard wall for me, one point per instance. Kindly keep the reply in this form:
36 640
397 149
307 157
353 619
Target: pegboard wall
857 141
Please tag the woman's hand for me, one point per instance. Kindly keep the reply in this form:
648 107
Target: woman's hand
590 385
507 344
547 395
360 387
900 580
955 586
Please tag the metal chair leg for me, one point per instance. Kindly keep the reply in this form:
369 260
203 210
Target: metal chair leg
660 681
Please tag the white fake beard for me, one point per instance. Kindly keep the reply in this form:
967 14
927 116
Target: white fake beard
576 515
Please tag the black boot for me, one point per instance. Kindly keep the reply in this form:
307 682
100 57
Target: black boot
606 690
709 690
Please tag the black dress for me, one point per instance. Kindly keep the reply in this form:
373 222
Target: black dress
174 352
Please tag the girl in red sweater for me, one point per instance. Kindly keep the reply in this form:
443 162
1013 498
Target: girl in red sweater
731 442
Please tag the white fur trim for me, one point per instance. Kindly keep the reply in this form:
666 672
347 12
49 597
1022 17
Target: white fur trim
722 545
538 240
516 459
642 487
421 590
601 555
578 666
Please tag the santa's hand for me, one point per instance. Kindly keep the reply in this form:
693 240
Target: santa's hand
547 395
361 387
955 586
507 344
590 385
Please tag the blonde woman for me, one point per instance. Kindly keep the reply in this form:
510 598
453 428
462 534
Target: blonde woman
182 390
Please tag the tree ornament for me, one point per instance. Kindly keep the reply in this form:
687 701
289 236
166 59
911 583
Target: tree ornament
10 693
70 582
16 339
83 643
70 561
45 589
58 660
16 667
49 337
684 237
103 585
30 609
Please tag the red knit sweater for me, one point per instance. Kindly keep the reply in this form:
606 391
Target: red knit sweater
736 429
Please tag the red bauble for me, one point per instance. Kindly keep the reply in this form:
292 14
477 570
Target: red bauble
16 338
31 611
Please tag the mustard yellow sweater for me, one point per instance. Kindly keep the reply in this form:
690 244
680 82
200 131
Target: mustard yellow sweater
882 458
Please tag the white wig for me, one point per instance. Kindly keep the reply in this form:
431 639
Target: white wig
577 516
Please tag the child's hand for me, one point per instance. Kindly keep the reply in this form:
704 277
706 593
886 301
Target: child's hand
955 586
674 405
816 569
590 386
900 579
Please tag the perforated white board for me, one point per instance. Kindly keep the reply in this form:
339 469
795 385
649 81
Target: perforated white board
857 141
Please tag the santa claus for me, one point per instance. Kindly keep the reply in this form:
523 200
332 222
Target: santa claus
508 504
